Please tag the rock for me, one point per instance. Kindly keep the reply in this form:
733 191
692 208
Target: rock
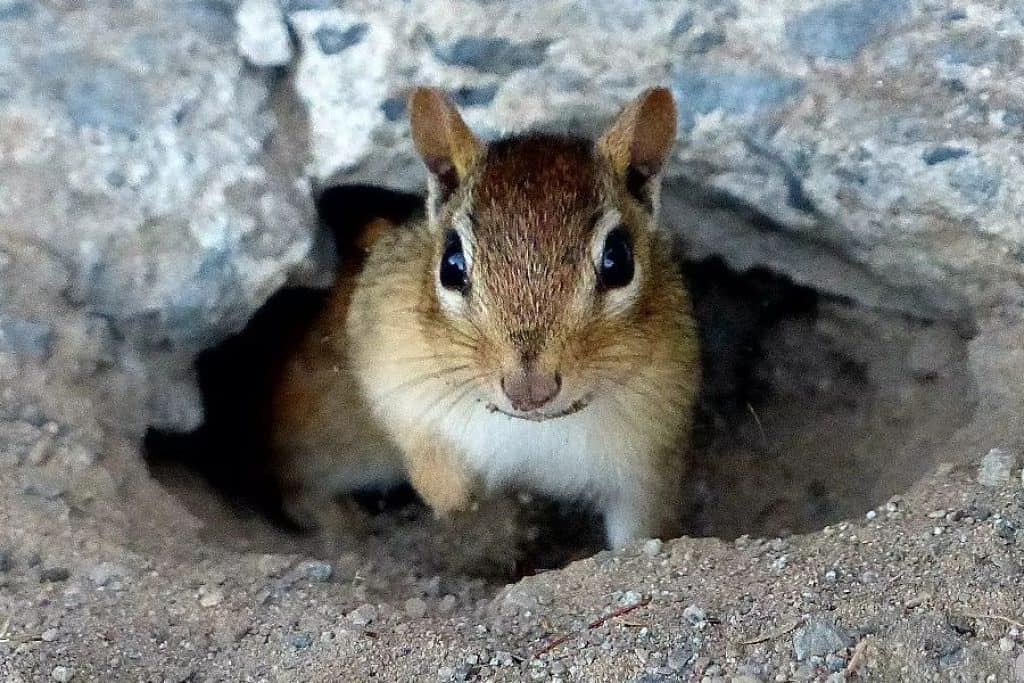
416 608
363 615
62 674
210 596
630 598
679 658
262 34
525 596
695 615
840 30
103 573
26 337
301 641
818 637
140 190
317 571
744 118
652 547
49 635
996 468
447 604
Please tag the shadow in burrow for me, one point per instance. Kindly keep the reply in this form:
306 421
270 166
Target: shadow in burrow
813 409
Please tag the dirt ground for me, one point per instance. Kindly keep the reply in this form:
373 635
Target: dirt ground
847 521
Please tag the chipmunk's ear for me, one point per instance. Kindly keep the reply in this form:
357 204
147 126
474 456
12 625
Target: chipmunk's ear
444 141
638 144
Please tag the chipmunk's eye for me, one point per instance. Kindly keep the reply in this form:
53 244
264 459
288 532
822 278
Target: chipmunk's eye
615 269
453 273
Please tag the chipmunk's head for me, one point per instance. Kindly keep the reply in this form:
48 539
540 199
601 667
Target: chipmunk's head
544 263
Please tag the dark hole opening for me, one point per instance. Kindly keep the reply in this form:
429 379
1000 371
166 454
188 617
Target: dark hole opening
813 409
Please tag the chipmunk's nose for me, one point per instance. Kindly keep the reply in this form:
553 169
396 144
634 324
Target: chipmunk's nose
529 389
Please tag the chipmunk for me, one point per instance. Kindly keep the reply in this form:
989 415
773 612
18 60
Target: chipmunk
532 331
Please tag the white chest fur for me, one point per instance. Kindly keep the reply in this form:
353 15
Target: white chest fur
576 455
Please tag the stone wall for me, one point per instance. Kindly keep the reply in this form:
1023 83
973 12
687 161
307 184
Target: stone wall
158 157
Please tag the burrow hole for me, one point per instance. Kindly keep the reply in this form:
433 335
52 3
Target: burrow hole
813 410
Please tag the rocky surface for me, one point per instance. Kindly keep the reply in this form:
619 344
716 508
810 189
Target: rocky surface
156 165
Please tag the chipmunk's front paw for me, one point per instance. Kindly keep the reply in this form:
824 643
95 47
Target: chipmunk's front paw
443 482
448 497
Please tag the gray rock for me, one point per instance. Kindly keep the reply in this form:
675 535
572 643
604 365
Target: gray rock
818 638
262 34
416 608
316 570
301 641
20 10
695 615
363 615
26 337
333 40
492 55
996 467
62 674
839 30
735 93
155 205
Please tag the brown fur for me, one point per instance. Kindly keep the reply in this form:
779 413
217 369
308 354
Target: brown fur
411 367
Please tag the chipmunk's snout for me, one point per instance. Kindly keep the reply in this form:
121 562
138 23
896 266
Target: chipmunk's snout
528 388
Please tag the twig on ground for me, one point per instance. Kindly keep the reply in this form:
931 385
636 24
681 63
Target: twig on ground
774 634
597 623
857 659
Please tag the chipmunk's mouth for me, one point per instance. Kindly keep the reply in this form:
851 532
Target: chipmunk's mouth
541 415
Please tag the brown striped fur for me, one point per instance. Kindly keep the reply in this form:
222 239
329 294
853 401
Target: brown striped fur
424 365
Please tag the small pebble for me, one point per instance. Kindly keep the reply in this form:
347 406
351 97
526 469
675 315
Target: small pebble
49 635
317 571
416 608
817 637
446 605
62 674
996 467
630 598
831 576
102 573
1006 644
834 662
363 615
678 659
695 615
871 514
210 597
301 641
652 547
